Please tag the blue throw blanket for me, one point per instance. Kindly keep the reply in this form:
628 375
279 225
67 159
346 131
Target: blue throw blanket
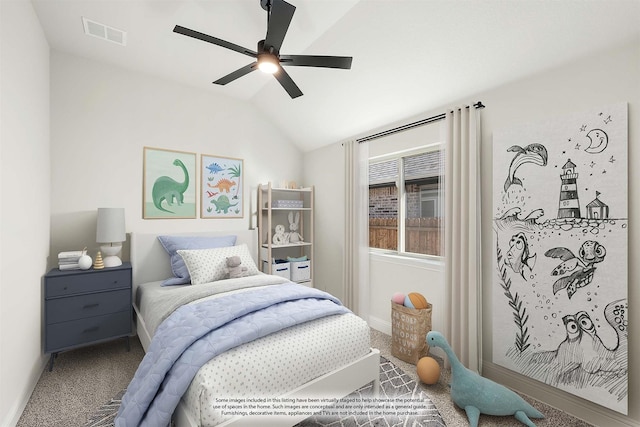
195 333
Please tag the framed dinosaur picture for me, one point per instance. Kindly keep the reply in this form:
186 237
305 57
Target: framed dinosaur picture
221 187
169 186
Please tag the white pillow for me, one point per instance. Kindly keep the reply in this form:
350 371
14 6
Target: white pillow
210 265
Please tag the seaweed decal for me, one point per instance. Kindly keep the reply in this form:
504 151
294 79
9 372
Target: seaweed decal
520 315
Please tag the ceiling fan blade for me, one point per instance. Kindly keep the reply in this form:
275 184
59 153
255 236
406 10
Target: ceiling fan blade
237 74
214 40
287 83
280 16
343 62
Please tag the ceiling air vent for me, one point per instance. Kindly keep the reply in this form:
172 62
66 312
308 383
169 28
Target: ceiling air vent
104 32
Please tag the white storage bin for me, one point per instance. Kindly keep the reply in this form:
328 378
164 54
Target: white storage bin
282 269
300 271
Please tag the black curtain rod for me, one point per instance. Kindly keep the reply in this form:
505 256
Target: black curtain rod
410 125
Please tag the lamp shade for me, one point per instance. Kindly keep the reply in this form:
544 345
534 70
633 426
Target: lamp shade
110 226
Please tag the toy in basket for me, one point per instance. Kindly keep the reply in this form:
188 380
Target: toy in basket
410 322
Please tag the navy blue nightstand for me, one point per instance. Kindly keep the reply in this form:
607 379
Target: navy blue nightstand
83 307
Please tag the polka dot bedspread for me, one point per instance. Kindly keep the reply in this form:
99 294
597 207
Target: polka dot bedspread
272 365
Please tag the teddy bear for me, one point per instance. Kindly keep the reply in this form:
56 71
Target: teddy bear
234 267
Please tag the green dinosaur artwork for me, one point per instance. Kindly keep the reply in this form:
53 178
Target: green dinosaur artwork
222 204
169 190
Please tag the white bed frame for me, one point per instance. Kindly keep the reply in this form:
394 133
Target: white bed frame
150 262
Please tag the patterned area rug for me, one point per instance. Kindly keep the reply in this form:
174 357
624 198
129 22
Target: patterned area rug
401 402
106 414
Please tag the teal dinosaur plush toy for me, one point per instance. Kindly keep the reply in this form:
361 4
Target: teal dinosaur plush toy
478 395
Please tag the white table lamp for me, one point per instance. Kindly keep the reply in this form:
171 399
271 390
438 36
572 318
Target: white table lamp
110 231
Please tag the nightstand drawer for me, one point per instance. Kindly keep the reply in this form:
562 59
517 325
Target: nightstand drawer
81 306
68 334
91 282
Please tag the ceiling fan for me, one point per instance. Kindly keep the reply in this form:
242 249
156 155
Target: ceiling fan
268 58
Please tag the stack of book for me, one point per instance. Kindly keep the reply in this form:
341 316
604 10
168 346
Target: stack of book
69 260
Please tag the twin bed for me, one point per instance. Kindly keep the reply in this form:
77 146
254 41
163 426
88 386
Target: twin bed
295 354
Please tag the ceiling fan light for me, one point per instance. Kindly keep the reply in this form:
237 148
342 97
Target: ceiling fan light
267 64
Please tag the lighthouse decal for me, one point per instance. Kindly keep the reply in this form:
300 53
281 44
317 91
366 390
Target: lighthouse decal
569 206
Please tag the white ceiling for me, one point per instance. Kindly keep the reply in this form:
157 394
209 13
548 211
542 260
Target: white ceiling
409 56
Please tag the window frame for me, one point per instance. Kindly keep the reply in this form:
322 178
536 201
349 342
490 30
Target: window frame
402 200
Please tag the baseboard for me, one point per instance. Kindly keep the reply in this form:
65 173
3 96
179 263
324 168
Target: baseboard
572 405
380 325
14 414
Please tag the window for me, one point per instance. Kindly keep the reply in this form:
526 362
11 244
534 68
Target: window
429 203
405 201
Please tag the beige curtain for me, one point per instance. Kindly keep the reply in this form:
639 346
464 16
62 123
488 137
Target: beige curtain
356 244
463 276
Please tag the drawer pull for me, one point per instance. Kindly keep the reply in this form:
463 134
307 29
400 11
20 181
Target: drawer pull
91 305
93 329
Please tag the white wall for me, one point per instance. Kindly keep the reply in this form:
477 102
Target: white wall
607 78
103 116
24 202
325 171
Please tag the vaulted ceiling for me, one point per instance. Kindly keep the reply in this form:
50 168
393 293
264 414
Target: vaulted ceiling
409 56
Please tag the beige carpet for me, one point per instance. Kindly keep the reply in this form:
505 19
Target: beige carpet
83 380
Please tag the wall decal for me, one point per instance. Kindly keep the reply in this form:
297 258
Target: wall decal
560 312
169 186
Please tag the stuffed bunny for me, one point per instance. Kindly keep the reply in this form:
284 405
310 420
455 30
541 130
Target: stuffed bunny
294 236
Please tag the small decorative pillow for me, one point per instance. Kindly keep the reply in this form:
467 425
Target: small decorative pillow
210 265
173 243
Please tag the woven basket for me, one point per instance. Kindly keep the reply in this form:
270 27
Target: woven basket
409 328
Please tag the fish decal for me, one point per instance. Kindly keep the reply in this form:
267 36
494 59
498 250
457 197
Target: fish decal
577 272
518 254
533 153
